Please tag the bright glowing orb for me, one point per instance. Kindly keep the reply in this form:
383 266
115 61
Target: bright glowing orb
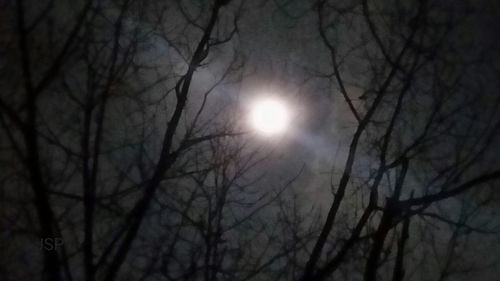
269 116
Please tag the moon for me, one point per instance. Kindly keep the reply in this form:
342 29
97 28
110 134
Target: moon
269 116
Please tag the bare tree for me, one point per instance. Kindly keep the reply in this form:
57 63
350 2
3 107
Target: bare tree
98 124
410 118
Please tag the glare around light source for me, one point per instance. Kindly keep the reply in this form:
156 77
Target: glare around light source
269 116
